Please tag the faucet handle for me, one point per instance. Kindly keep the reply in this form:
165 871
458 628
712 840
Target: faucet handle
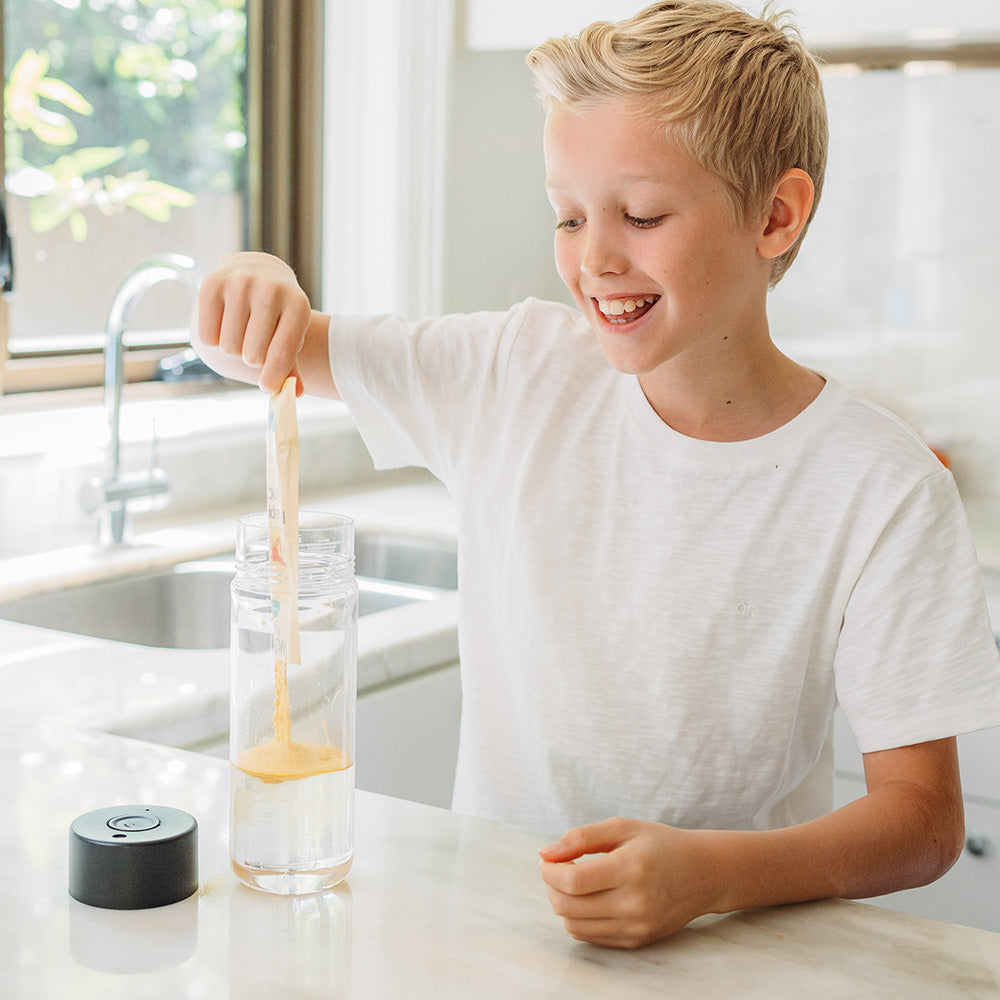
138 491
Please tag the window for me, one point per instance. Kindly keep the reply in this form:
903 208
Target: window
136 127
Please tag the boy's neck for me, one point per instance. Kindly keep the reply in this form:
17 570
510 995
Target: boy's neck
736 403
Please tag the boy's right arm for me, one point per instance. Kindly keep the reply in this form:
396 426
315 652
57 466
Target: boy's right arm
255 324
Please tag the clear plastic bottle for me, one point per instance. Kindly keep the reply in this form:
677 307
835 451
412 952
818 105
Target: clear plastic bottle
291 739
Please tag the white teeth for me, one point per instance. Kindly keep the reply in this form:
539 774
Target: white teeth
617 307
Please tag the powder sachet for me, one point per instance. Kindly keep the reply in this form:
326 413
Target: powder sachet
283 527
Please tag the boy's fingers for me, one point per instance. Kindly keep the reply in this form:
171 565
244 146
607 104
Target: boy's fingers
595 838
603 932
581 878
583 907
233 327
209 318
281 352
257 341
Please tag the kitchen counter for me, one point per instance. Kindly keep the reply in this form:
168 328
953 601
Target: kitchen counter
437 905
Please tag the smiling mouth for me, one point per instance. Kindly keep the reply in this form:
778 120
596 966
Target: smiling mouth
620 312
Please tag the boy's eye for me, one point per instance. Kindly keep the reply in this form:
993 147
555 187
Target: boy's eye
569 225
640 223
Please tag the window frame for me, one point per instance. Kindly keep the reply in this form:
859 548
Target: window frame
283 213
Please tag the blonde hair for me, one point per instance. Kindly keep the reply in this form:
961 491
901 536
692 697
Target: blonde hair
739 94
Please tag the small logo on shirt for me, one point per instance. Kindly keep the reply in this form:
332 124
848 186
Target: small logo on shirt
747 610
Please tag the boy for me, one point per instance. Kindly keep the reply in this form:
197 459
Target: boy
679 549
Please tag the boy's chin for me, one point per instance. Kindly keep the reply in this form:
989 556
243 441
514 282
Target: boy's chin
622 361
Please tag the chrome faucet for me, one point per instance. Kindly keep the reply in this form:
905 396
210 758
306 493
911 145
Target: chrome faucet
110 495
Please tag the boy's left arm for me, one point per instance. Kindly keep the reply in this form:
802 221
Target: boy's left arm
648 880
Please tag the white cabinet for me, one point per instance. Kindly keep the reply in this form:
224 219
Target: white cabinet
407 737
524 23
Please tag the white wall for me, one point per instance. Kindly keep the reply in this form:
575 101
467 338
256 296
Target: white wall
498 222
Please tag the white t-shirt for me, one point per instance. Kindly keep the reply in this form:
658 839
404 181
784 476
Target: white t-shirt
657 626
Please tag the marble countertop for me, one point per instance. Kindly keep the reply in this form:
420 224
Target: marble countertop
437 905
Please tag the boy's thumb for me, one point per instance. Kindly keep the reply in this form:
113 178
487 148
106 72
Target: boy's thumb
596 838
554 852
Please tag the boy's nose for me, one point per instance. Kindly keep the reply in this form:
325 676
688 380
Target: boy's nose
601 254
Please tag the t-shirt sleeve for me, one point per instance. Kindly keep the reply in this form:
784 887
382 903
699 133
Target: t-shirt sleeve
423 392
917 659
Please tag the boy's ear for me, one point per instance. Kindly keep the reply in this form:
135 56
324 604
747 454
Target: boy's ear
790 207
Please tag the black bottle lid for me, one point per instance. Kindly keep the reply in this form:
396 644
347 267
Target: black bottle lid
133 857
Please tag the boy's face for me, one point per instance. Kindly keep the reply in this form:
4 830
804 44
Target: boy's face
647 243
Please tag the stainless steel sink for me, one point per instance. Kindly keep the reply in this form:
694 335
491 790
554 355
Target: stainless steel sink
186 606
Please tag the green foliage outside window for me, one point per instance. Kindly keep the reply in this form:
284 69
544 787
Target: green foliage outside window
122 104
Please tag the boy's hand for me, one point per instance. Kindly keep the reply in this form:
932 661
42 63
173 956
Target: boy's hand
647 881
650 879
253 311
